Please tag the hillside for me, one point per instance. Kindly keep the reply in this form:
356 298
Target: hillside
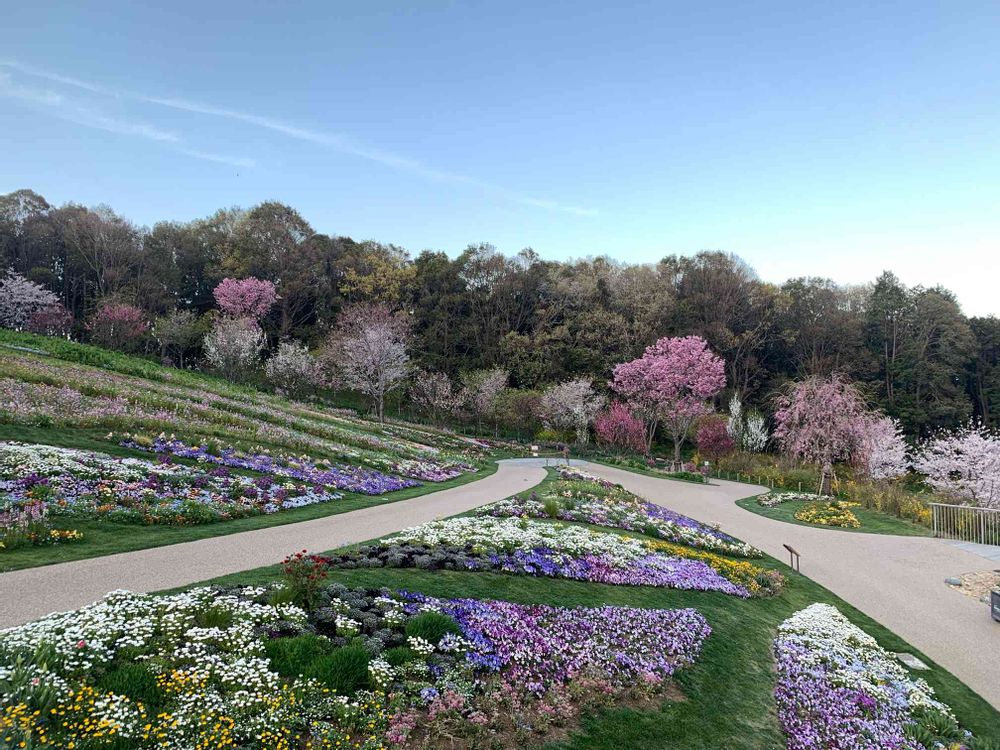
204 456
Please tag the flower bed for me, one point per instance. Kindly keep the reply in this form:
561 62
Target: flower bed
837 688
214 668
350 478
90 484
830 513
774 499
578 496
26 522
535 548
48 392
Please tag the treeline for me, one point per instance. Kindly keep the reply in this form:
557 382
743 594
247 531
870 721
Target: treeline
914 352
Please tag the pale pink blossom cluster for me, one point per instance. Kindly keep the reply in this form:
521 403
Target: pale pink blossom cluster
571 406
21 299
964 464
882 450
822 420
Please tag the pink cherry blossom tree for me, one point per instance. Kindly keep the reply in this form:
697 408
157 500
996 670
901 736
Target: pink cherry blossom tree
245 298
20 299
117 325
571 406
964 464
367 352
54 320
671 383
618 427
822 420
882 451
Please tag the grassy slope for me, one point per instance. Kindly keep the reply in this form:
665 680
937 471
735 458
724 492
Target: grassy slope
872 522
729 702
102 537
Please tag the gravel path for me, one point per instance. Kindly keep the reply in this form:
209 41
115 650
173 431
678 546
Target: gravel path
28 594
897 580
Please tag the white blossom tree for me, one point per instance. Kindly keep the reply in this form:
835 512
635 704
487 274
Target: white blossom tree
963 463
747 429
755 435
233 346
735 424
881 453
434 393
292 370
20 299
571 406
367 352
482 392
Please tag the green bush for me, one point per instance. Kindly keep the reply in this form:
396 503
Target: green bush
687 476
552 507
297 655
281 595
432 626
400 655
344 670
135 682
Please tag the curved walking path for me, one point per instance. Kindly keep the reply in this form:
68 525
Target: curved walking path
34 592
897 580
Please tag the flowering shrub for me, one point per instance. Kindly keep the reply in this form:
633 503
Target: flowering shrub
837 687
86 483
535 548
118 326
619 428
223 668
578 496
832 513
304 574
713 438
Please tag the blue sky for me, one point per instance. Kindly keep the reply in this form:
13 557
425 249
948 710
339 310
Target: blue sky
809 138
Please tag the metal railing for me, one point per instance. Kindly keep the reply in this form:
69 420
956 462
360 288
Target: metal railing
980 525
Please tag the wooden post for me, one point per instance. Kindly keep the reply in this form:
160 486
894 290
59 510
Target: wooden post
793 557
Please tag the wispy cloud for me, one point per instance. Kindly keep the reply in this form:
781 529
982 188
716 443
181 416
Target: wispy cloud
233 161
59 106
328 139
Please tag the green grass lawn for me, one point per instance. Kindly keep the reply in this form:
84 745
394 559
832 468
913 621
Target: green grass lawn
872 522
101 537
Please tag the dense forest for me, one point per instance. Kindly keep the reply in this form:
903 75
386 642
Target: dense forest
913 351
